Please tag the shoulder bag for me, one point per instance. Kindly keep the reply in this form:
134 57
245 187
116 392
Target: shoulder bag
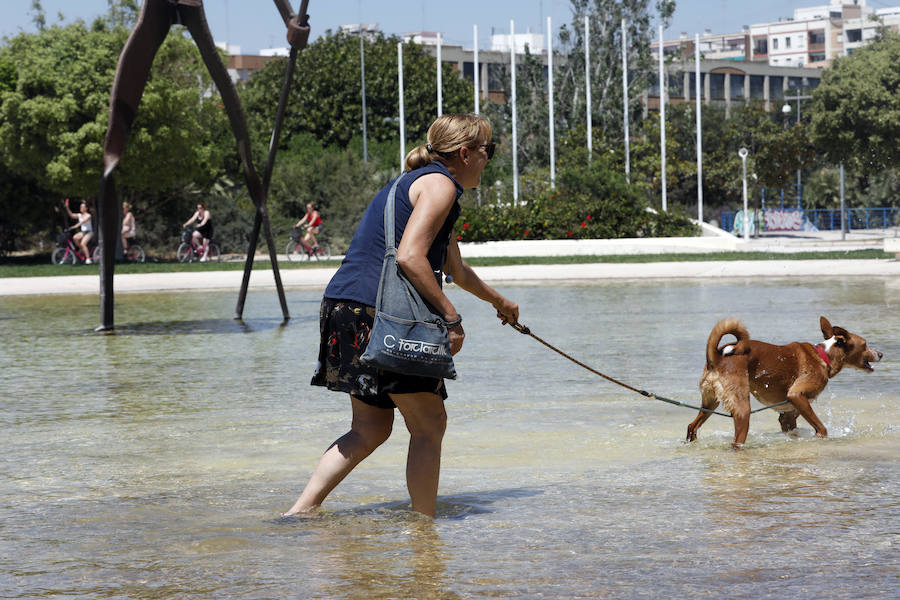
407 336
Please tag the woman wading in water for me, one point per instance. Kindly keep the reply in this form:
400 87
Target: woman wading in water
458 149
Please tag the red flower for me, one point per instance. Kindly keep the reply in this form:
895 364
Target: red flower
465 225
459 238
583 224
569 233
589 217
526 232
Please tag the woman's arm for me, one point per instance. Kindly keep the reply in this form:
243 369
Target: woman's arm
192 219
466 278
432 196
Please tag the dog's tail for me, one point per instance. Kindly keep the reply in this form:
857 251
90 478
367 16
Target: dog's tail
726 327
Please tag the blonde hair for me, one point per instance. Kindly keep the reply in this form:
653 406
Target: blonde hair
126 206
446 135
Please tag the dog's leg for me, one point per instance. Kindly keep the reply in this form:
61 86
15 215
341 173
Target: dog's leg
801 403
788 421
741 416
709 403
694 425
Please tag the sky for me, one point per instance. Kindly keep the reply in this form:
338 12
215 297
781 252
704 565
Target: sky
255 24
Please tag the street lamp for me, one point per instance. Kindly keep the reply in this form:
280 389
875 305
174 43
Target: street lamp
786 111
743 152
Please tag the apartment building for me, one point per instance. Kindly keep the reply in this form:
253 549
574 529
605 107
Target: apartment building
812 37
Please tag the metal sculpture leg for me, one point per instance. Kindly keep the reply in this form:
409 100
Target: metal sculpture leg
195 21
132 72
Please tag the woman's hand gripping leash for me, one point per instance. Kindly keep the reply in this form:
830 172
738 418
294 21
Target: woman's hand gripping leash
508 312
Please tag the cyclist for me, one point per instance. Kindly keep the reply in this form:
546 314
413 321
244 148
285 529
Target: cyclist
204 231
313 221
128 225
83 237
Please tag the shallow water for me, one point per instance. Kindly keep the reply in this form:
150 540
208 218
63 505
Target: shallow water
153 463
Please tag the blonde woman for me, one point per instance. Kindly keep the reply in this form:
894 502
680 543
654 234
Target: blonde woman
458 148
129 227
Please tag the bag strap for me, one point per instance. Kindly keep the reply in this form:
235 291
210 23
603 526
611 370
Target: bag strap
389 210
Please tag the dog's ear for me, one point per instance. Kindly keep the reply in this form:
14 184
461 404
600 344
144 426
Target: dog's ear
841 336
827 330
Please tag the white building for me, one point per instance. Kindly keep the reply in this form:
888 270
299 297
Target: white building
815 35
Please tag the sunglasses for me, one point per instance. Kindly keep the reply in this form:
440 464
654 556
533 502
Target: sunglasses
489 148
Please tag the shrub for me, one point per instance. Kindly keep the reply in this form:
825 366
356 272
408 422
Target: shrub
587 203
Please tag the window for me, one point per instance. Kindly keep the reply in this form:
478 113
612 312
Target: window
736 86
654 85
854 35
774 43
469 70
717 86
756 86
693 85
761 46
787 42
676 85
816 37
497 74
776 87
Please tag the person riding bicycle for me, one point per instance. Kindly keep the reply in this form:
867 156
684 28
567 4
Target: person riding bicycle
204 231
129 227
83 237
313 221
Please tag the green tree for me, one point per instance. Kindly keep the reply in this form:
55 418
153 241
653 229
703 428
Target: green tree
326 102
605 18
856 111
54 103
336 180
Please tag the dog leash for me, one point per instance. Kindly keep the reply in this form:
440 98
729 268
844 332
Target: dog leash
526 331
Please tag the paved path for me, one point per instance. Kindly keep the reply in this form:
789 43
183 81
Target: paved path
318 278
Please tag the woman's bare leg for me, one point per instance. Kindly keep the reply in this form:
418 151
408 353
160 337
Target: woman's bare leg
426 420
83 242
370 427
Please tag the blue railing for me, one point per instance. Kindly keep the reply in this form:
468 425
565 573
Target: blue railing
827 218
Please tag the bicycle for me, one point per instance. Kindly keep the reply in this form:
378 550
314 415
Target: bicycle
189 251
67 252
134 252
297 249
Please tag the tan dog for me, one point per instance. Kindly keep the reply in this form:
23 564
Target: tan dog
797 372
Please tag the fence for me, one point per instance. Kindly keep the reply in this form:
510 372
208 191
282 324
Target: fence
817 219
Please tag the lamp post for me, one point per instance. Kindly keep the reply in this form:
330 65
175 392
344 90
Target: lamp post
743 152
786 111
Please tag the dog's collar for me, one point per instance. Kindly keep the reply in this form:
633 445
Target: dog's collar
822 354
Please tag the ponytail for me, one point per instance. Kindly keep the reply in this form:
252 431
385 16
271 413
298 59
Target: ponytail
417 158
446 135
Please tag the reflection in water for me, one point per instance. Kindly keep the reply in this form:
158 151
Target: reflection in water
153 462
199 327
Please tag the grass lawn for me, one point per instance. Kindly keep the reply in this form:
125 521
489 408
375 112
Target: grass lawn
36 267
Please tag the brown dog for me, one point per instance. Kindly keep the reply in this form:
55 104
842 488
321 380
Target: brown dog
797 372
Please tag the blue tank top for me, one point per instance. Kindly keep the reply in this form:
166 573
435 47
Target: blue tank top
359 273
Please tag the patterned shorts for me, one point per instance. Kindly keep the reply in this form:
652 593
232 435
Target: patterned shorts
344 328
